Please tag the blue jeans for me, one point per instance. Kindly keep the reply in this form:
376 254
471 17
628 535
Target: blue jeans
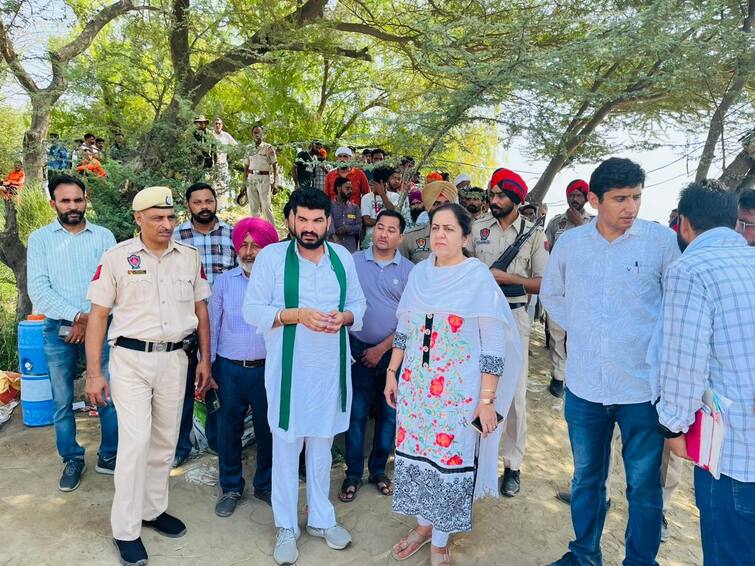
368 384
590 429
63 360
727 519
183 446
239 387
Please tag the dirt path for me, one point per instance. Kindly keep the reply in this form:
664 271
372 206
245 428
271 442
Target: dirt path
43 526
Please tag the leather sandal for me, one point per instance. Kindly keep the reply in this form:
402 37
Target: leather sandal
414 541
440 558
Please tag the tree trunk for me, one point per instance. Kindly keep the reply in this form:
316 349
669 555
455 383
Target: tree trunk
736 174
13 254
35 155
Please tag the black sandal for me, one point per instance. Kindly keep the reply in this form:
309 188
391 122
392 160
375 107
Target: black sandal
346 495
383 484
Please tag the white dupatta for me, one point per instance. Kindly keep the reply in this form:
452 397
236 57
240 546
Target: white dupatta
469 290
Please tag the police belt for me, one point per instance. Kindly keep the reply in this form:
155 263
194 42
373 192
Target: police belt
142 346
254 172
249 363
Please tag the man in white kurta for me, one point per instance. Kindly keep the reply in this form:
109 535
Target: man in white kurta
320 401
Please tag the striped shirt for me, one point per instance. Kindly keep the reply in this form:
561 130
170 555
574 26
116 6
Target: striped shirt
215 248
231 336
709 342
60 266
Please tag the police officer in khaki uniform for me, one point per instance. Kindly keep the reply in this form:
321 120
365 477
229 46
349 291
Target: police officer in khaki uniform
260 165
416 244
490 238
155 289
575 215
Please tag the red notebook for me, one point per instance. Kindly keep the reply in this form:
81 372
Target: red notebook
705 437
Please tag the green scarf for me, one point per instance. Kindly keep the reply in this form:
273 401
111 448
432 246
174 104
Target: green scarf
291 301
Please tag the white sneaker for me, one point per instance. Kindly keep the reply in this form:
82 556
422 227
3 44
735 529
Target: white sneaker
336 537
285 547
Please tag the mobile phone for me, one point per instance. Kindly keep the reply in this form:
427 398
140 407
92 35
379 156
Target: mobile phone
477 425
211 401
65 330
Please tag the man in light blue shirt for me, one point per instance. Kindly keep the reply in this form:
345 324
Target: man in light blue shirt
62 258
709 343
603 286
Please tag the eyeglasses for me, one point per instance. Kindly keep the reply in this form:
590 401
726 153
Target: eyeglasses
742 225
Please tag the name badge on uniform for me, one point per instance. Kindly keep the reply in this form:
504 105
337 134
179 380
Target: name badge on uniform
135 262
351 216
421 243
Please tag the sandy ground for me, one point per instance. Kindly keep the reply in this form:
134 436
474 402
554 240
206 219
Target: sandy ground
42 526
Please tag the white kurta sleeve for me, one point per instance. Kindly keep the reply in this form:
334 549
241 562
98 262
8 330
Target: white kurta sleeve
258 309
553 286
492 346
355 301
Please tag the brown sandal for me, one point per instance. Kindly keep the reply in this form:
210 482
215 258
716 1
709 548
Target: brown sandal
413 540
440 558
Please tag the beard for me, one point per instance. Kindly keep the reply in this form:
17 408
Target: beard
310 245
415 212
473 208
499 212
576 206
204 217
246 266
680 242
72 218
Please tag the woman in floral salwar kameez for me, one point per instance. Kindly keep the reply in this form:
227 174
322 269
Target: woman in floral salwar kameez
456 357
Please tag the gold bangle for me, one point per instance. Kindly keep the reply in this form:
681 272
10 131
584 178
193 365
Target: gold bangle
390 370
487 401
298 315
278 318
489 390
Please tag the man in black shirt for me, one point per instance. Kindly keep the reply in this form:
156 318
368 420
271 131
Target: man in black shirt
303 171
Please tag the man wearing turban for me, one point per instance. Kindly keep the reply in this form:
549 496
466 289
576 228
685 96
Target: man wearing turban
238 357
416 244
490 238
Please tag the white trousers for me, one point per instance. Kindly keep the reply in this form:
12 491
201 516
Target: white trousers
258 191
515 423
557 348
148 393
285 494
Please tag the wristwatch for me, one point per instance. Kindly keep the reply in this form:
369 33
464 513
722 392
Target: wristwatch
667 433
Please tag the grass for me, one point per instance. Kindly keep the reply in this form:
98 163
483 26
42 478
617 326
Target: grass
8 328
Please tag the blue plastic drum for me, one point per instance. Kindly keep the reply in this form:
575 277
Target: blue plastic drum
36 400
31 348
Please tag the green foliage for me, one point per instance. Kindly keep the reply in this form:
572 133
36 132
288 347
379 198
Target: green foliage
33 209
8 329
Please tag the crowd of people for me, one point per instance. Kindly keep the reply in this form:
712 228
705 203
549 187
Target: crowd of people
365 308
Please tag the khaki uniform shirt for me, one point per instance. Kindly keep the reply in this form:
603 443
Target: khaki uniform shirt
488 241
260 158
152 298
560 224
416 244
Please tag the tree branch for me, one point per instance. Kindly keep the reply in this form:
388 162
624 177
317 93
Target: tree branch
11 57
366 29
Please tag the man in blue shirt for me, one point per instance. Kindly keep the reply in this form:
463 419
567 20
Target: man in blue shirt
238 355
62 258
383 274
709 343
603 286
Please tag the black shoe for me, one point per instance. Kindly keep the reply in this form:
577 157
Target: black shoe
263 496
132 552
178 461
71 478
556 388
565 497
226 504
664 529
568 559
106 467
167 525
510 485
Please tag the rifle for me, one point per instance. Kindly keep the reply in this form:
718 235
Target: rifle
510 253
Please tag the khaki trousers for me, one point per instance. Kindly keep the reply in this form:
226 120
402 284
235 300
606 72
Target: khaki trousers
515 424
148 392
258 191
557 348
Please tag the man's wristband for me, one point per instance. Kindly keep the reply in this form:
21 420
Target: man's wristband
667 433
